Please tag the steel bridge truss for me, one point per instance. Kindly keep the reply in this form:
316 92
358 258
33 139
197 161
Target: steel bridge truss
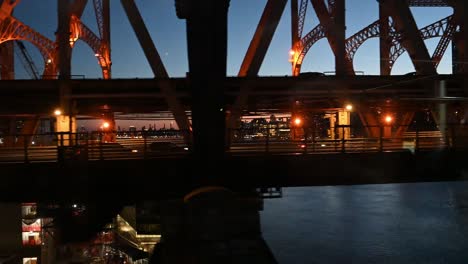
444 28
12 29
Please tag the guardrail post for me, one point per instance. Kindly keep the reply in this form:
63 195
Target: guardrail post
452 132
343 148
305 141
267 147
416 147
313 140
145 145
101 154
447 138
26 158
381 139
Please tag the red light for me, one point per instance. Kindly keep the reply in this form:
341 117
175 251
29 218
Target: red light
297 121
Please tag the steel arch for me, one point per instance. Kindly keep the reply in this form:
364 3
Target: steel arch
434 30
13 29
301 48
81 32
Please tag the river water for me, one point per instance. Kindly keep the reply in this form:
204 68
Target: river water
392 223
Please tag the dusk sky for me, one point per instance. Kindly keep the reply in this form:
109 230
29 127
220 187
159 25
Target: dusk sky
168 33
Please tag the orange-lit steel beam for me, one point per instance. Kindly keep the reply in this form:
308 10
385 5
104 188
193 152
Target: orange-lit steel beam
295 35
156 64
6 8
261 40
7 58
63 39
82 32
7 61
411 39
77 7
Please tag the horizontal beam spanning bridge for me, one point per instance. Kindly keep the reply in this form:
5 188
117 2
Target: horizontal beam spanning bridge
145 95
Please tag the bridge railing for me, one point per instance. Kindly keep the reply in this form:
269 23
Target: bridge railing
101 145
345 139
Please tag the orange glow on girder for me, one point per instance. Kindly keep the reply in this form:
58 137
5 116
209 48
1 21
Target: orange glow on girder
297 121
388 119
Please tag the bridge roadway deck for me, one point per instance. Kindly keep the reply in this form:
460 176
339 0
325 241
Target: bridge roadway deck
130 179
144 95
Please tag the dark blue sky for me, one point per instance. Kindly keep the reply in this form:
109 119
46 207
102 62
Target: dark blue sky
168 33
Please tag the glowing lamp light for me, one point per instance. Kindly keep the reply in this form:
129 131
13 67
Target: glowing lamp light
388 119
349 107
97 55
57 112
292 52
297 121
49 61
105 125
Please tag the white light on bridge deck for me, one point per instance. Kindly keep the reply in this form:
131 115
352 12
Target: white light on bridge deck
349 107
57 112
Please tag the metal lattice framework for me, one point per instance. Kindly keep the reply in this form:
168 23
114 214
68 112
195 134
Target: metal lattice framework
439 28
82 32
444 28
301 48
302 15
99 18
355 41
13 29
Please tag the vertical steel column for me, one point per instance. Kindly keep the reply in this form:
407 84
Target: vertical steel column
385 41
78 7
340 37
106 18
411 37
7 61
207 52
63 39
461 13
294 23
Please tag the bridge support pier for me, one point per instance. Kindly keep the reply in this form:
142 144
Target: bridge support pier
207 52
212 225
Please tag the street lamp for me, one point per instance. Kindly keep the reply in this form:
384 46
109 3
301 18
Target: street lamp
105 125
57 112
388 119
297 121
349 107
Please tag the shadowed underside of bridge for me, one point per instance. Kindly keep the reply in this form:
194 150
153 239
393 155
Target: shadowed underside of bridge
129 180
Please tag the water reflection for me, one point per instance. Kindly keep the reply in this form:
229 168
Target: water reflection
394 223
397 223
